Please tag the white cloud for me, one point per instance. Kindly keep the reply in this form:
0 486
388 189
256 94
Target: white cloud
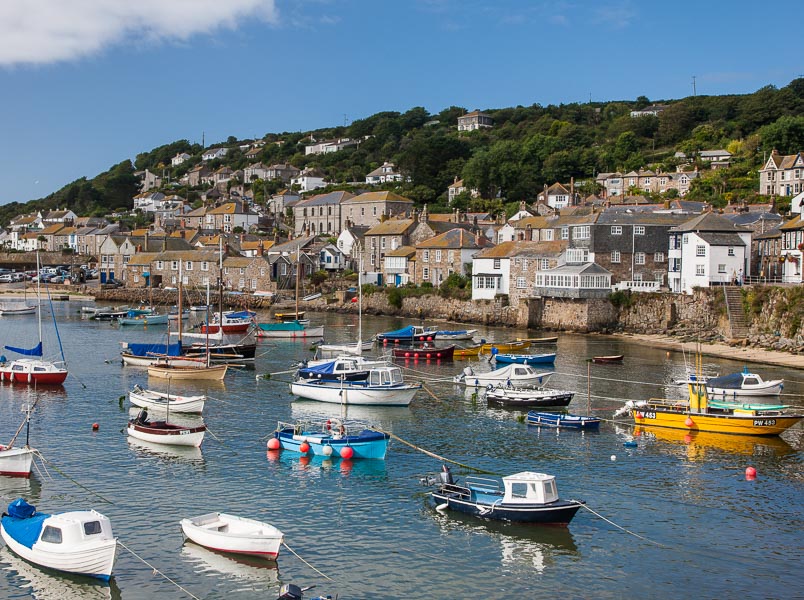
47 31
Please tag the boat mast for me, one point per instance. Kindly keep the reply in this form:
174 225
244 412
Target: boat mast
39 296
220 283
181 291
360 303
298 266
207 327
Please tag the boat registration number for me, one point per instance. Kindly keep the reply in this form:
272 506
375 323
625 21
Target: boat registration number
649 415
183 432
764 422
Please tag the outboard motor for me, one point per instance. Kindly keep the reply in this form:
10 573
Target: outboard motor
288 591
446 476
468 371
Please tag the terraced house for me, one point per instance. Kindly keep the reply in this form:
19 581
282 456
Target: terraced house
450 252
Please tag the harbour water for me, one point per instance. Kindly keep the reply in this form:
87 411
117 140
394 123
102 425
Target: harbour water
681 520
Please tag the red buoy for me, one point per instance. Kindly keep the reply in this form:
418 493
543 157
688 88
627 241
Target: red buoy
273 444
304 448
407 354
347 452
750 473
689 422
427 355
429 338
95 427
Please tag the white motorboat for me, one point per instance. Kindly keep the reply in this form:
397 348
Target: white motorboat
460 334
164 432
349 367
16 462
743 383
151 399
78 541
383 387
512 375
8 309
230 533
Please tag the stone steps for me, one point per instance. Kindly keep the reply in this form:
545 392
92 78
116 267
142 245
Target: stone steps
738 323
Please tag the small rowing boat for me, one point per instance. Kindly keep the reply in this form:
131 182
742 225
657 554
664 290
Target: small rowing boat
548 419
230 533
610 359
540 340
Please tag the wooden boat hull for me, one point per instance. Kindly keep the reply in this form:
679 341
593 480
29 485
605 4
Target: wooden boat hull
352 393
16 462
470 352
526 359
159 432
540 340
554 513
147 361
446 353
743 424
505 347
237 535
367 444
613 359
190 373
91 559
289 316
32 372
562 420
275 330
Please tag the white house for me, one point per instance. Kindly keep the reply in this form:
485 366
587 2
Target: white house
350 236
179 159
384 174
214 153
331 259
707 250
308 180
491 271
796 204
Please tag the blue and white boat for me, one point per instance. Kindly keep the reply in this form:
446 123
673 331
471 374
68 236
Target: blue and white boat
546 358
458 334
411 333
548 419
384 387
525 497
79 541
332 438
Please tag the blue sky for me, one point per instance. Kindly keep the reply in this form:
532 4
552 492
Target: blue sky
86 84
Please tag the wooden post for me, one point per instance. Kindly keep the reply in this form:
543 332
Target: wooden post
588 386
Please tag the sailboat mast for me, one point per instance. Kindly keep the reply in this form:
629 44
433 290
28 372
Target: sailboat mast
39 295
181 291
220 281
298 266
207 327
360 304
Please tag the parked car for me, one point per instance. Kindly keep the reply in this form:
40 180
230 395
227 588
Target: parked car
43 278
6 278
56 279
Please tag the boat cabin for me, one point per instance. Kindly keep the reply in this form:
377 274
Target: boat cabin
530 488
385 376
76 527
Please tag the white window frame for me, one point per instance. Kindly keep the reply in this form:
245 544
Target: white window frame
615 257
616 230
639 258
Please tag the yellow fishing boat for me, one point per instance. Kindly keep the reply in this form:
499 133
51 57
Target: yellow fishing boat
469 352
701 414
504 347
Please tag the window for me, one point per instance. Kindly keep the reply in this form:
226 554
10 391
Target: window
565 233
188 266
548 235
616 230
615 256
242 271
685 239
581 233
545 264
92 528
225 270
51 534
639 230
160 265
253 284
520 283
426 256
382 242
426 274
496 263
639 258
658 257
174 265
731 250
438 255
205 266
721 268
700 270
700 250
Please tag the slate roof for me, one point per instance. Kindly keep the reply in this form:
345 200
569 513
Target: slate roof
382 196
608 217
324 199
456 238
721 239
407 251
708 222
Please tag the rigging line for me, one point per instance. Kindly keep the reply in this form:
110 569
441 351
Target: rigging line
58 337
433 454
620 527
63 474
157 571
306 563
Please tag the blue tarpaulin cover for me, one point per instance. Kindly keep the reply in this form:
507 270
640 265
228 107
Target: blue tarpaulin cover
243 314
322 369
734 381
36 351
22 524
152 349
399 334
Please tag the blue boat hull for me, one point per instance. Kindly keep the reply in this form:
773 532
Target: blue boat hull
367 444
562 420
526 359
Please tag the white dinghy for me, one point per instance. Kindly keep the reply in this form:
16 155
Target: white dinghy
151 399
229 533
512 375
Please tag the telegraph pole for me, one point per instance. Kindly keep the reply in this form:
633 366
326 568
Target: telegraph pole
693 86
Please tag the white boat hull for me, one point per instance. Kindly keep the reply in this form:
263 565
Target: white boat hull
94 559
480 381
307 332
767 388
175 438
159 401
16 462
228 533
336 349
346 394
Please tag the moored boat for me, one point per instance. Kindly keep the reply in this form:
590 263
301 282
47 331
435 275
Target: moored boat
411 333
743 383
289 329
151 399
142 320
540 340
230 533
525 359
346 368
9 309
332 438
384 387
199 370
230 322
79 542
525 497
17 462
163 432
528 397
428 352
459 334
548 419
515 346
468 352
510 376
608 359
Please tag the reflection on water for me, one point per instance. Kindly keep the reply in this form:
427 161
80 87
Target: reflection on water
46 584
12 488
212 564
699 443
371 415
168 453
524 546
314 466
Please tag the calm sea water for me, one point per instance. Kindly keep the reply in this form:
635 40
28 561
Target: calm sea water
704 531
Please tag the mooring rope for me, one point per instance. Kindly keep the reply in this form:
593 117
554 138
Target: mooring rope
620 527
306 563
157 571
270 375
63 474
